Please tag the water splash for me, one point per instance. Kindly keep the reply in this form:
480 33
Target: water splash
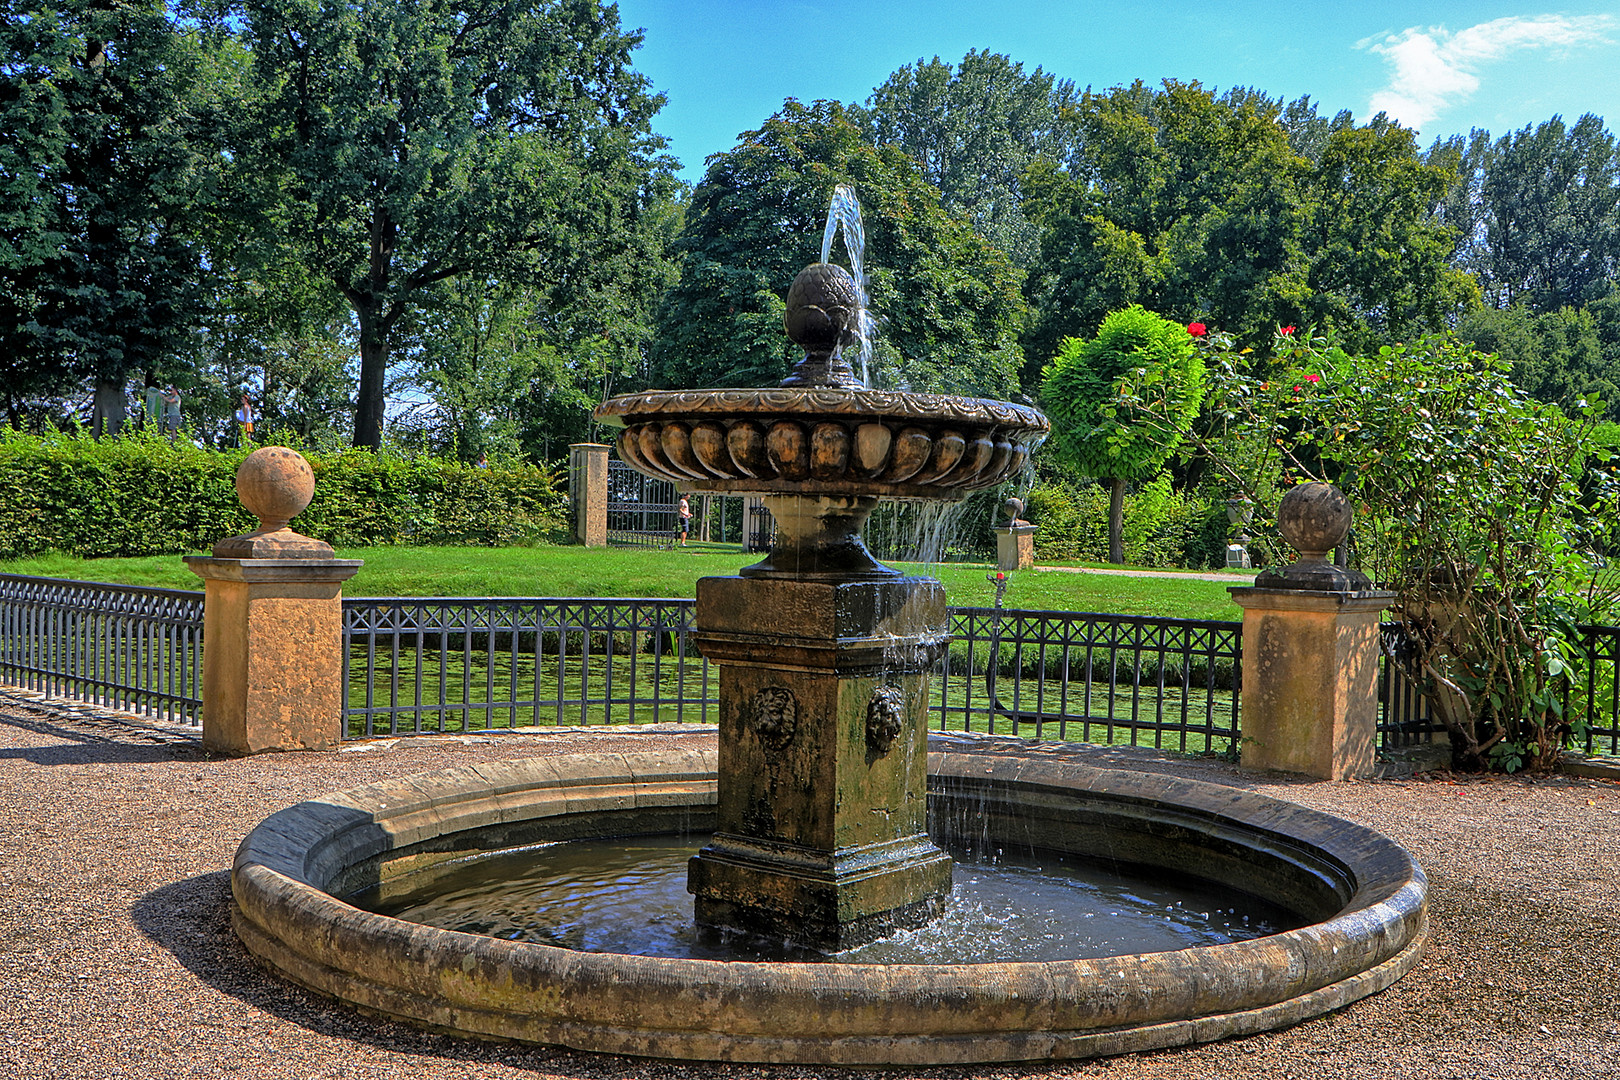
845 214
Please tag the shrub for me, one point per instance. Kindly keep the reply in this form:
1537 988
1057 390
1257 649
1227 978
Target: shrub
1162 527
141 495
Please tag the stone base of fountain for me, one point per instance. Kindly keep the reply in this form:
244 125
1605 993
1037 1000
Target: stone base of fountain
1364 895
822 836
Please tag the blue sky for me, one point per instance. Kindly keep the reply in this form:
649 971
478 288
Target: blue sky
1441 66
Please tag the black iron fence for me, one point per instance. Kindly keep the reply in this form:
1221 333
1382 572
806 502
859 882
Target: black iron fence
476 665
129 649
467 665
437 665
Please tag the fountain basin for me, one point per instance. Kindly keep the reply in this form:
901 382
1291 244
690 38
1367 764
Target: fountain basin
1365 897
849 441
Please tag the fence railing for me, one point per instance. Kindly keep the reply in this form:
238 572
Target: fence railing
454 664
124 648
469 664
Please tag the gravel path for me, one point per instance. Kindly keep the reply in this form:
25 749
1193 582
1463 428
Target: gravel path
118 959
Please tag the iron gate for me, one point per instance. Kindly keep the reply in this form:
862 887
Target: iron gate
640 509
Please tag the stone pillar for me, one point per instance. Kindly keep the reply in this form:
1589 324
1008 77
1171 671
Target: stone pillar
272 621
1015 547
821 835
588 492
1015 541
1310 650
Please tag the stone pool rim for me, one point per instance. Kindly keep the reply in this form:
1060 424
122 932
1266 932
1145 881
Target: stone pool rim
825 1013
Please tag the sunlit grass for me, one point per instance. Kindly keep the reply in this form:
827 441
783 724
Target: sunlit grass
654 572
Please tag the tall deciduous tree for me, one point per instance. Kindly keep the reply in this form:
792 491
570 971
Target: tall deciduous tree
1203 208
1081 389
948 300
1551 203
99 157
410 143
974 129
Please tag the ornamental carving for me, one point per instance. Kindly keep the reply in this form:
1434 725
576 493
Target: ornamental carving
885 716
774 716
848 441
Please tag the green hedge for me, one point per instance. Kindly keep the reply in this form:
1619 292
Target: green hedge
1163 527
141 495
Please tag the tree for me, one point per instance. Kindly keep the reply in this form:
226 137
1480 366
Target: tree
1552 215
947 299
1201 207
1081 389
974 130
402 145
101 144
1378 266
1556 357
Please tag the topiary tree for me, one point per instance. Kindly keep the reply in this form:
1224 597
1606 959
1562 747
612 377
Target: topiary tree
1080 390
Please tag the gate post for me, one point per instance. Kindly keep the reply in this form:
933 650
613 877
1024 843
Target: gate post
588 492
272 620
1310 650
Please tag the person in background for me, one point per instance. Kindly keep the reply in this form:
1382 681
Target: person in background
171 411
685 514
244 417
151 406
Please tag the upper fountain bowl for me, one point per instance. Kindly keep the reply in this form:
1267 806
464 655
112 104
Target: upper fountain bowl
821 431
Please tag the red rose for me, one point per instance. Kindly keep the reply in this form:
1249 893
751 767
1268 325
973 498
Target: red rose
1197 329
1313 378
1286 331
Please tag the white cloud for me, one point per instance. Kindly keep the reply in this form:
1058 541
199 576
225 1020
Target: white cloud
1433 68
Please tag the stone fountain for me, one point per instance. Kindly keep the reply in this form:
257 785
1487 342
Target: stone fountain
820 798
823 651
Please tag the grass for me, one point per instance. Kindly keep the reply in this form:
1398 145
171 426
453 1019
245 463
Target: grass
611 572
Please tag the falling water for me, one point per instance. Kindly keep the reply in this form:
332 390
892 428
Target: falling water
845 212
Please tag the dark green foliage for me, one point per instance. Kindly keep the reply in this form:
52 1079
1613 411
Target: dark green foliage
1228 211
1162 527
141 495
1556 357
947 299
102 147
974 130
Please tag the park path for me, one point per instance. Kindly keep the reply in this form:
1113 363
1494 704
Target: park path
1128 571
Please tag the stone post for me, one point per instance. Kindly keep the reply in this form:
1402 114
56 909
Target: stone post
1310 650
588 492
1015 541
272 620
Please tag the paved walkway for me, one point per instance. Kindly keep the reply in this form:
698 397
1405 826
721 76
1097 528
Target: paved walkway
1127 571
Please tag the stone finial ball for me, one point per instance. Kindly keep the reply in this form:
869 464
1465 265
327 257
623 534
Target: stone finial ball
822 306
275 484
1314 518
1013 507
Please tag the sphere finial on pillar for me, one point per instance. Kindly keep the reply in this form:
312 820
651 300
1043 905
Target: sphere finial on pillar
275 484
1314 518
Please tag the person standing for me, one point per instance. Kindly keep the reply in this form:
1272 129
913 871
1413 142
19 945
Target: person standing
171 411
685 513
244 418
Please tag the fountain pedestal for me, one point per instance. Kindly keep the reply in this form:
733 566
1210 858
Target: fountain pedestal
822 833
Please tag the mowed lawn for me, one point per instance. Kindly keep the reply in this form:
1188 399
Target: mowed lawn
652 572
